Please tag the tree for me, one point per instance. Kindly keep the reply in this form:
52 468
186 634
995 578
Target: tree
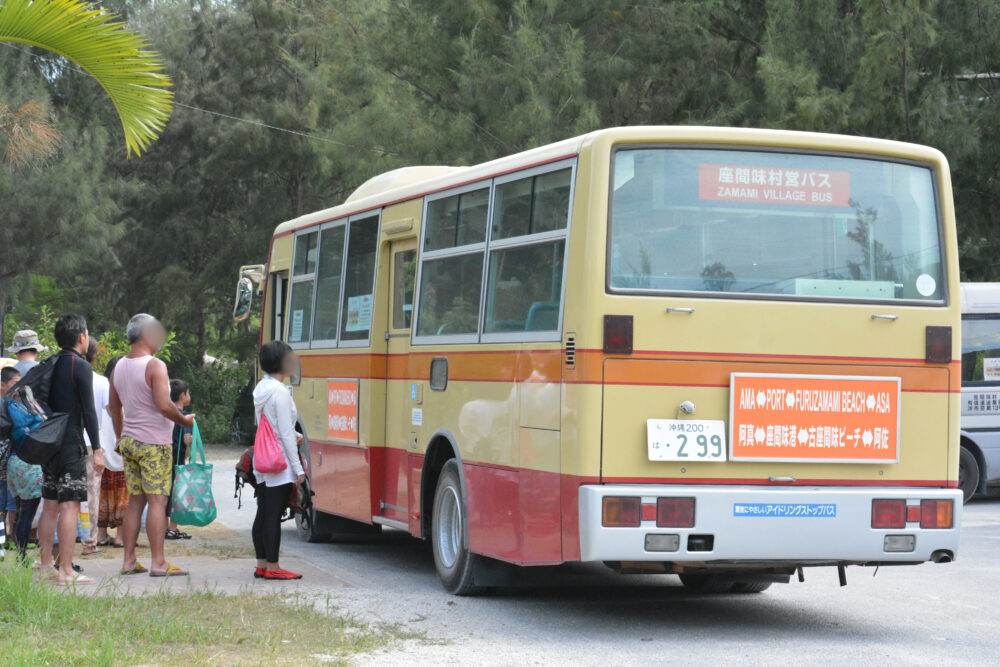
117 58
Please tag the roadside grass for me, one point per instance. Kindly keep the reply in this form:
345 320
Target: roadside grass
214 540
41 624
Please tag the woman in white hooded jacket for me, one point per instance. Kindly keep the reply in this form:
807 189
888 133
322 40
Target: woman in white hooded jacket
272 398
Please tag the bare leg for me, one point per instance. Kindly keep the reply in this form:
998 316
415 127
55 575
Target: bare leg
129 530
93 503
156 528
68 513
47 533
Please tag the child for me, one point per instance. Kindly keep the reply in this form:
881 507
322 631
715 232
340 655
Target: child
9 376
180 394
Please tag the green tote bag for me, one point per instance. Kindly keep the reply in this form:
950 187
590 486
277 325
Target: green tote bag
192 503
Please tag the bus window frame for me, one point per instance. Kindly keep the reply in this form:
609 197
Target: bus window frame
979 383
327 344
539 238
293 280
377 214
698 294
485 248
448 253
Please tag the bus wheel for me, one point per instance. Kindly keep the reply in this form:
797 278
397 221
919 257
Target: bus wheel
454 562
968 473
308 521
753 586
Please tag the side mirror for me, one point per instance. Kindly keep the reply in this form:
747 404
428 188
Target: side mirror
244 299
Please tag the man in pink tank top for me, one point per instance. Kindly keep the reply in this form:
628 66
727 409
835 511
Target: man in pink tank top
141 389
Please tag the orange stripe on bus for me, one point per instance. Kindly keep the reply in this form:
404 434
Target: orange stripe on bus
592 368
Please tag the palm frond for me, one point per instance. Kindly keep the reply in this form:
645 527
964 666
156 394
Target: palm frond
116 56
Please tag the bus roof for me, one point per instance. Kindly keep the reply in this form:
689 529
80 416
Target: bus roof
981 297
413 182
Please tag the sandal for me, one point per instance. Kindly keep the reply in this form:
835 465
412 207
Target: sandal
171 571
93 551
77 579
182 535
172 535
106 542
136 568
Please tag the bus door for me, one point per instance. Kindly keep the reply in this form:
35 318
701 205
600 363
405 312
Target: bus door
404 392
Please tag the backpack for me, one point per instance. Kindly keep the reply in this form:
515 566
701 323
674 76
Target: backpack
244 475
39 380
43 441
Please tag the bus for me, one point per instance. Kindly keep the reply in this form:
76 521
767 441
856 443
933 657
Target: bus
727 354
979 458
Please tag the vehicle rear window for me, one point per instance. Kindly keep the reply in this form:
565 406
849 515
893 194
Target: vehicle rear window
769 223
981 348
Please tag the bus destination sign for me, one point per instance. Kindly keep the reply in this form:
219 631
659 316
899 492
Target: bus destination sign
843 419
773 185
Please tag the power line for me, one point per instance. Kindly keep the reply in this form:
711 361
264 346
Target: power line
276 128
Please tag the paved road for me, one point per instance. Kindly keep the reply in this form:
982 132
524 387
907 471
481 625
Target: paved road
588 615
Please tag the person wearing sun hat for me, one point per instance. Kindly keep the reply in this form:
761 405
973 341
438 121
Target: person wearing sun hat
26 348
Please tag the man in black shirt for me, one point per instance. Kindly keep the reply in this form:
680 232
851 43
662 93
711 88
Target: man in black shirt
65 477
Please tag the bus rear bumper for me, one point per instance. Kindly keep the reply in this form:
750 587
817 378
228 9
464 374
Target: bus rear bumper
766 525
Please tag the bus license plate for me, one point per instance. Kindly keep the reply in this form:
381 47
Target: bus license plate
686 439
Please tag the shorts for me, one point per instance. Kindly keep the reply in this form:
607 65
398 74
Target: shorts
8 503
64 478
147 467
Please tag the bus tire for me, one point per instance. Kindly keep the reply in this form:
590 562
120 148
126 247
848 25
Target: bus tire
707 583
968 473
752 586
454 562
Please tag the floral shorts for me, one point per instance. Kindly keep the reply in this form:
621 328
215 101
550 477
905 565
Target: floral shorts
147 467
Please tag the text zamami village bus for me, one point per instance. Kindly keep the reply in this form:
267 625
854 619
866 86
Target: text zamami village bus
724 353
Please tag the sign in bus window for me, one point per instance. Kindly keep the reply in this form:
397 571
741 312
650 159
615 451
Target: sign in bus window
524 289
301 312
359 279
772 223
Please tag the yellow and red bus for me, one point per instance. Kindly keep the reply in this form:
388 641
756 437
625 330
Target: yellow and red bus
723 353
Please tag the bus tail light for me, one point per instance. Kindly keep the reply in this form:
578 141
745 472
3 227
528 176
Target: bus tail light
937 348
621 512
618 334
888 513
936 513
675 512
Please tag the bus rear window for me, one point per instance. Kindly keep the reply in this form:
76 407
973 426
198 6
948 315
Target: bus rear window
768 223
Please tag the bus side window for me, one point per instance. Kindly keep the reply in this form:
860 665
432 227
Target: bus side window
359 279
404 268
303 274
331 254
525 275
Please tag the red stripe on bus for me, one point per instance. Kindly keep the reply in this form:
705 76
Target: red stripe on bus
431 192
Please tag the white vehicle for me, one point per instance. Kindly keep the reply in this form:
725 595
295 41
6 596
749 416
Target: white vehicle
979 459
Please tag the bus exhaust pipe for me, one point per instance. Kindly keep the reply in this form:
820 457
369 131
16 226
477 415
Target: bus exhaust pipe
942 556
